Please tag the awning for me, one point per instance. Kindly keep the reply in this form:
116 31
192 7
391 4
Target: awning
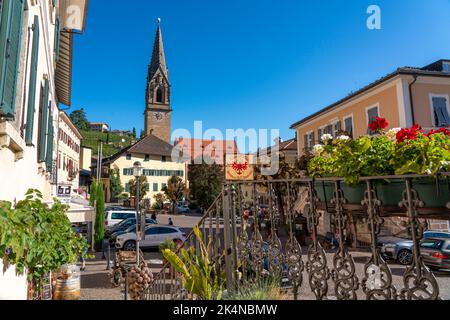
63 74
79 210
80 214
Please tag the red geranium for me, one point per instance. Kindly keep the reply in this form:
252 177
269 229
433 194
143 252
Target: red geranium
409 134
442 130
379 124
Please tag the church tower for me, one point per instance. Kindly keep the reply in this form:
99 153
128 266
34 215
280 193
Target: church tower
158 109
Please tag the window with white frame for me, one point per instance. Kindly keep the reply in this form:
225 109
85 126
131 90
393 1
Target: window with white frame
312 140
320 134
309 141
348 126
372 114
328 129
440 105
336 127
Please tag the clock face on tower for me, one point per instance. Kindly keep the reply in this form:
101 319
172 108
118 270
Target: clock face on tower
158 116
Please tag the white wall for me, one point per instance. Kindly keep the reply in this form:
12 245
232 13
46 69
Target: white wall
12 287
19 173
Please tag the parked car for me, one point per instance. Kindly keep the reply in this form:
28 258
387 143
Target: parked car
399 247
436 235
117 208
436 253
154 236
125 224
115 217
183 209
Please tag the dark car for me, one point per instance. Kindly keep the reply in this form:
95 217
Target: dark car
124 225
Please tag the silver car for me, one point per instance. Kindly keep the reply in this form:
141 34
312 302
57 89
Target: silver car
399 247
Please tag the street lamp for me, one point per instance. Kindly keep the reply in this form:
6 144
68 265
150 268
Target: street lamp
137 172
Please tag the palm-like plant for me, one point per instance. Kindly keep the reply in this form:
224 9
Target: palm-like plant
196 270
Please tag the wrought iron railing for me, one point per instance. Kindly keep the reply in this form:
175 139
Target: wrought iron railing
167 284
244 253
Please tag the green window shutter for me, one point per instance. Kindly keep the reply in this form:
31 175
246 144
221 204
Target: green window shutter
43 125
32 83
57 37
147 187
155 187
11 15
50 138
127 187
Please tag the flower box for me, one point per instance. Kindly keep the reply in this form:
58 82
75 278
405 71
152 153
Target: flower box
434 194
394 153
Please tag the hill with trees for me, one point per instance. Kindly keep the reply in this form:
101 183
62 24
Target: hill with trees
112 142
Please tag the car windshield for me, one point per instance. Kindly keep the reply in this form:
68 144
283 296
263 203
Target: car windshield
126 222
131 229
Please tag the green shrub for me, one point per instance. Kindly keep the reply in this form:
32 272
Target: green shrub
36 238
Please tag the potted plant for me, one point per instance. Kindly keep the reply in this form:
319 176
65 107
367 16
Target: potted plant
387 153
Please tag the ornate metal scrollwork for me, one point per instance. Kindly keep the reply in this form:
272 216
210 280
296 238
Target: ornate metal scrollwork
419 281
293 255
294 263
258 254
319 274
275 255
344 272
377 281
244 251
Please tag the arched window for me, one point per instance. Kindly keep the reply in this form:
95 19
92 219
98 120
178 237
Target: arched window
159 95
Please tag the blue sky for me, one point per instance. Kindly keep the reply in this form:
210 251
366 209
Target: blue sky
247 63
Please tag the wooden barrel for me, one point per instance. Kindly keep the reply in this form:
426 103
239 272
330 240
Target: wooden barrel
69 289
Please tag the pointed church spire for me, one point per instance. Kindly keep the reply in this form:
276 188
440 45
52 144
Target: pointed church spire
158 56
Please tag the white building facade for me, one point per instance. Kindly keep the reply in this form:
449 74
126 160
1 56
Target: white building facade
69 150
35 76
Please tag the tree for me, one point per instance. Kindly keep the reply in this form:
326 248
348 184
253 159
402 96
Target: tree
142 187
115 183
134 133
174 191
205 182
93 193
79 119
100 216
142 134
159 201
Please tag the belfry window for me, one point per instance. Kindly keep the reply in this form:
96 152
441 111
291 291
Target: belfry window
159 95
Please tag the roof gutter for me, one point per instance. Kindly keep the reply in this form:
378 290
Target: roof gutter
375 84
411 98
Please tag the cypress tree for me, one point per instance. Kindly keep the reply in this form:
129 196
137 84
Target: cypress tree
100 216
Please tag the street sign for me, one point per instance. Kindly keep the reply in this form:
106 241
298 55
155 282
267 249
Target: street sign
64 193
73 15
